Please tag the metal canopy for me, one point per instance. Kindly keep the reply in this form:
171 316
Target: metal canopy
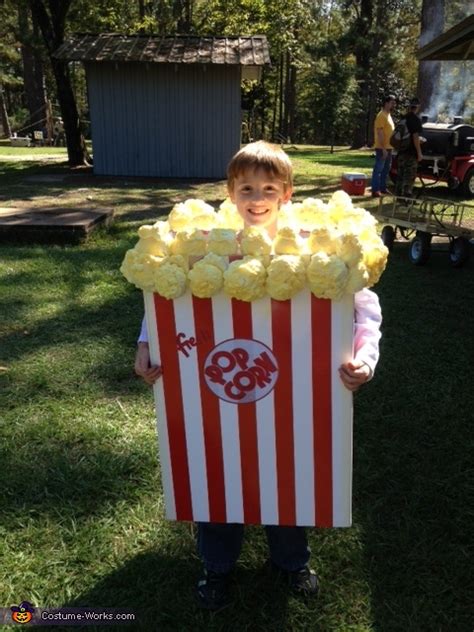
456 43
241 51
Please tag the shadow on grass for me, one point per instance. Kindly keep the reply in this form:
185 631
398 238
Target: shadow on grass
160 590
414 452
66 474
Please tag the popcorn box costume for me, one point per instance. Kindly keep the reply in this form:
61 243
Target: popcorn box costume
254 424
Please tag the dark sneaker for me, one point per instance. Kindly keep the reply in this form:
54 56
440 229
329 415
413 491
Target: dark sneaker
304 582
213 590
376 194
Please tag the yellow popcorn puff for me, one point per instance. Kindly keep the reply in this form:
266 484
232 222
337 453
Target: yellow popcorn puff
180 261
349 249
312 213
357 221
255 241
286 276
189 243
151 242
327 276
339 205
162 227
206 278
223 241
287 214
206 220
358 278
138 268
375 260
228 216
323 240
192 213
169 280
180 217
215 260
245 279
287 242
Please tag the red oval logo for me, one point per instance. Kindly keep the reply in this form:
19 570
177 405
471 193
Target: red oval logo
241 370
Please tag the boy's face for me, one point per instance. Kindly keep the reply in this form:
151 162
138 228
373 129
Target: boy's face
258 195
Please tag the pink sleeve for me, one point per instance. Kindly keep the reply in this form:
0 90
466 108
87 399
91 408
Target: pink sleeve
368 318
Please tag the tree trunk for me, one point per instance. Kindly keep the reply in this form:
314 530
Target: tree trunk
33 75
362 52
281 98
52 28
292 103
76 145
429 72
7 132
182 15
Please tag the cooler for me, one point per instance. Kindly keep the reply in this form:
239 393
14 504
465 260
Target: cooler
353 183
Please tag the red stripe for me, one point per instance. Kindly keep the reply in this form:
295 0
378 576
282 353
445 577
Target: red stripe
211 419
285 455
242 318
322 414
166 326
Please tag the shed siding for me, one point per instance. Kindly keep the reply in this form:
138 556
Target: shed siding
164 120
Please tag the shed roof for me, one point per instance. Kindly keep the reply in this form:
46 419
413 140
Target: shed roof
456 43
180 49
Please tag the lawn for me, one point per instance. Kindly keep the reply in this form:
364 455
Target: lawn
82 522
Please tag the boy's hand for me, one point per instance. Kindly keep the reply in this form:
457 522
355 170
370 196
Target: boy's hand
354 374
142 365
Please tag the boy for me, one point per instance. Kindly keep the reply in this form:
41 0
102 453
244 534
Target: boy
260 180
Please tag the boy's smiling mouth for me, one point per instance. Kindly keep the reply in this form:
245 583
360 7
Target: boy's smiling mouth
258 211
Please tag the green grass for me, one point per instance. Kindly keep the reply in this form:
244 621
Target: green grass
81 520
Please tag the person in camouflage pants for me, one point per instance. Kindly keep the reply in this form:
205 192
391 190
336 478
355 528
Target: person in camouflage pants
407 160
407 167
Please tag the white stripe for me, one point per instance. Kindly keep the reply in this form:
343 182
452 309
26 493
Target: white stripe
161 421
342 324
223 330
183 310
301 361
265 413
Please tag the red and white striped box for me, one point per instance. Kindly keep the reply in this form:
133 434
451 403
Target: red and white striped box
254 424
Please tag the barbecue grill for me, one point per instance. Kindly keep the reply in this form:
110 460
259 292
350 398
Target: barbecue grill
448 155
449 140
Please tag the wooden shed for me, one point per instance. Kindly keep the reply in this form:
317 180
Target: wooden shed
165 106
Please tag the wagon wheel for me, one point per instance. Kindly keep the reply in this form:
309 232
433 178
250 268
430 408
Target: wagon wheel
388 236
468 184
458 251
420 248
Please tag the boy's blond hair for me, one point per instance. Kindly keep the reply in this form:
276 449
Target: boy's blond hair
261 155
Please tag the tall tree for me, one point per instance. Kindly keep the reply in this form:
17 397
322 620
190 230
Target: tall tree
50 15
33 74
379 34
429 72
7 132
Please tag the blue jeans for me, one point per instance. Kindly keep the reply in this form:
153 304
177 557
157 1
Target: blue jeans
381 169
219 546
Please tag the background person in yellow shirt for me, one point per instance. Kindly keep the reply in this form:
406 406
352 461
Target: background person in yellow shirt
383 128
